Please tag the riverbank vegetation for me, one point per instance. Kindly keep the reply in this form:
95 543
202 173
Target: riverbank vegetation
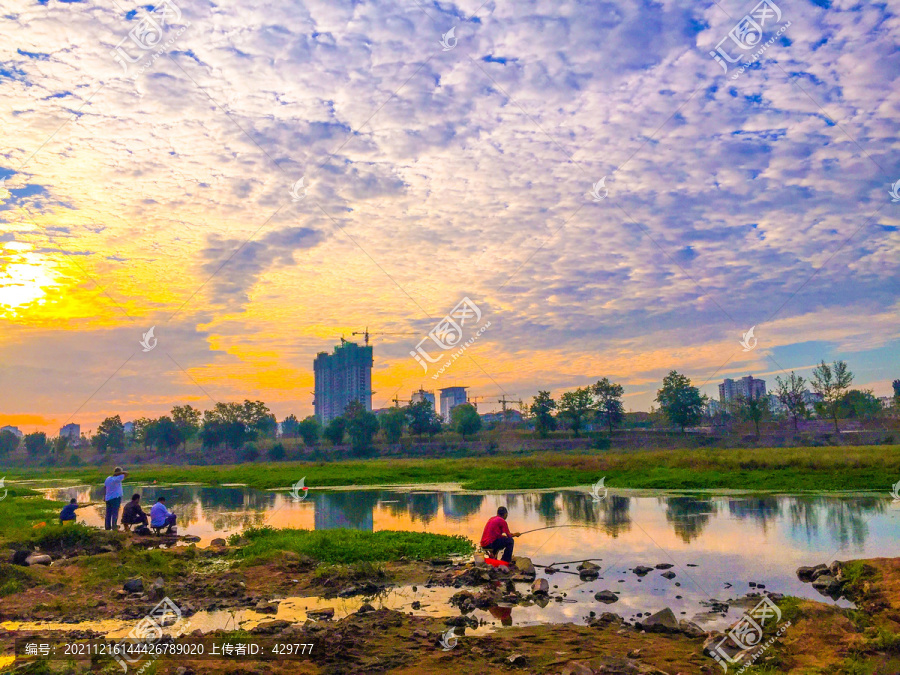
757 469
347 546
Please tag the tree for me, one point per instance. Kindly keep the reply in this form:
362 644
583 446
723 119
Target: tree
753 409
362 426
187 421
164 434
608 402
309 430
258 419
392 422
896 385
110 434
140 431
334 431
465 420
60 444
422 418
575 406
860 404
8 442
832 382
790 393
289 426
36 443
541 413
681 402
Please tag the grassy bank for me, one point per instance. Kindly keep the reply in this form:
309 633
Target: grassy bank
874 467
348 546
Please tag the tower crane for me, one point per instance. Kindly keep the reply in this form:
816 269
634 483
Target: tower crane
365 333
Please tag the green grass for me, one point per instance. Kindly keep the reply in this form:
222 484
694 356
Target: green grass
757 469
348 546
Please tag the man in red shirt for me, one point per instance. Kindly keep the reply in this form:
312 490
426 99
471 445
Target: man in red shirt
497 537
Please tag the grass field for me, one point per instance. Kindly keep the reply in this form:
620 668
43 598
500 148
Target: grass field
875 467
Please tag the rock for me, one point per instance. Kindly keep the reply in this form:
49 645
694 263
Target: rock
416 604
607 597
827 585
266 607
641 570
634 654
271 626
665 566
587 565
524 566
420 633
605 618
218 542
668 575
38 559
517 659
461 598
540 587
157 590
321 613
19 557
440 562
808 574
190 538
365 609
134 585
690 629
577 668
663 621
835 569
720 642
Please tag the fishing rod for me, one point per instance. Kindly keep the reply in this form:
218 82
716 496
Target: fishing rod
551 527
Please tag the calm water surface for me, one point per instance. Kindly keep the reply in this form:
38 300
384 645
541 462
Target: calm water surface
717 544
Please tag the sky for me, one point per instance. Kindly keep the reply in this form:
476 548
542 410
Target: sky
254 181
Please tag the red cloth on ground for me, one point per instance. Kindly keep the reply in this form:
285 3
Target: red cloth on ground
495 527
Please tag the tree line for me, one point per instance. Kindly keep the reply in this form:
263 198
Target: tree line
237 425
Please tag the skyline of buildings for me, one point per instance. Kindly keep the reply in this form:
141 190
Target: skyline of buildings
450 398
745 387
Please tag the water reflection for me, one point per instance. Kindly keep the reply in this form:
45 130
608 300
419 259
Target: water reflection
841 521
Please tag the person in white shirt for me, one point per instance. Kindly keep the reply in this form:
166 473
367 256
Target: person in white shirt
160 516
113 485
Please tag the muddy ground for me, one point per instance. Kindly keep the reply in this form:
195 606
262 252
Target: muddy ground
820 637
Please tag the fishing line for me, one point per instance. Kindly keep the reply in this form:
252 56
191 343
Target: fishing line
551 527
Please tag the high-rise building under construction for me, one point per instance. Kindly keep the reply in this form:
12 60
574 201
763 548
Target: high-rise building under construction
341 377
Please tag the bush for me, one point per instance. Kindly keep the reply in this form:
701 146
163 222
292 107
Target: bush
249 453
75 460
276 452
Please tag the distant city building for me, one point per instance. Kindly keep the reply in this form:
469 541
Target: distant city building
886 401
450 398
511 417
713 407
746 387
13 430
71 431
342 377
423 395
129 428
810 398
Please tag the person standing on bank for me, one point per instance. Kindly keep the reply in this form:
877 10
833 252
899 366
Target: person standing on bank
113 485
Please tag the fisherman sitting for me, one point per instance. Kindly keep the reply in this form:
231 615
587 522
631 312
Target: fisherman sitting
497 537
161 517
133 514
